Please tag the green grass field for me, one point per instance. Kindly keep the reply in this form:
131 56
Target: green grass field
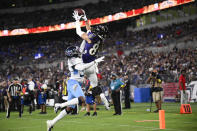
129 121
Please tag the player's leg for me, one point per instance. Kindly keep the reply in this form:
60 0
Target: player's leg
63 113
98 91
91 74
75 94
105 101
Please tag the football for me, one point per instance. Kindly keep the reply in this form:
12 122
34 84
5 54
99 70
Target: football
80 11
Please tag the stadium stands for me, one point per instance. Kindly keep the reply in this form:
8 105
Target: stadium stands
64 15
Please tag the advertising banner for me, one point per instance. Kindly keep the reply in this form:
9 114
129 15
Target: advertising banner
105 19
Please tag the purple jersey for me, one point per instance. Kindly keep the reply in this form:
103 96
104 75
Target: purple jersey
91 49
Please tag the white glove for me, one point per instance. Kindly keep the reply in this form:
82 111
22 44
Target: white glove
100 59
76 16
84 16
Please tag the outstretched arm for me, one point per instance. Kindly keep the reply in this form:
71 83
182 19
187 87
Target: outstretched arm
79 32
84 17
88 27
83 66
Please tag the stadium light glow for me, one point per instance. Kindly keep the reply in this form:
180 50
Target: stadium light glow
105 19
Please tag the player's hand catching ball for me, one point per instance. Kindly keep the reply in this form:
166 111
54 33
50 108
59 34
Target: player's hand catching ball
76 16
84 16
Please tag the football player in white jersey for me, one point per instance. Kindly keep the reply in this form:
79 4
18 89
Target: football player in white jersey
75 93
92 42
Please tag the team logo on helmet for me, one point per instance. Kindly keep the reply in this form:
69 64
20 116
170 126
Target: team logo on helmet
72 51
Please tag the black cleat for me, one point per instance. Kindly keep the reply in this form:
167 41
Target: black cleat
156 111
87 114
94 114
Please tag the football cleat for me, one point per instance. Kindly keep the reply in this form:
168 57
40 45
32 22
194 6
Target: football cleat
107 107
49 125
94 114
57 107
83 109
87 114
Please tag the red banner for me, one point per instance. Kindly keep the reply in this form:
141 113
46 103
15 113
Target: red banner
170 90
105 19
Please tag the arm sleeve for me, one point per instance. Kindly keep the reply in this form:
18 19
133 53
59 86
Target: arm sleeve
78 29
81 49
82 66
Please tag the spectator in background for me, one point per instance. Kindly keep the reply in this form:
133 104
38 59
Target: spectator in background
156 89
31 86
1 97
25 96
90 99
182 87
42 96
6 103
115 87
127 92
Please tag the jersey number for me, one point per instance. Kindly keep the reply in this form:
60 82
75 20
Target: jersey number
94 49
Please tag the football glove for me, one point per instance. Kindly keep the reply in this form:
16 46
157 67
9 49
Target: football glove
84 17
76 16
100 59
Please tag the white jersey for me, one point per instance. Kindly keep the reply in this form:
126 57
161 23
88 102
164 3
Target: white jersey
31 85
75 74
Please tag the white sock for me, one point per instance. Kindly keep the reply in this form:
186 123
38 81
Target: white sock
74 101
104 100
58 117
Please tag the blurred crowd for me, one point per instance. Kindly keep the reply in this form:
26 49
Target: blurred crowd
121 40
64 15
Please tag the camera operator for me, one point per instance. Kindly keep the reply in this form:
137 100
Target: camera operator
156 89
